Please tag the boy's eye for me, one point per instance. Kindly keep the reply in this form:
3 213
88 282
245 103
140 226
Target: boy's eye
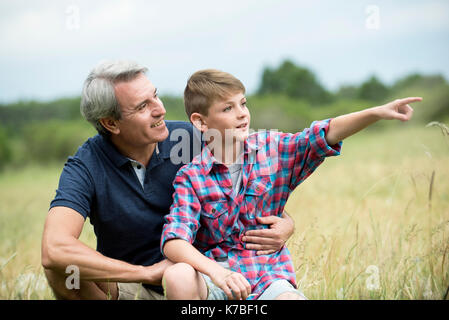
227 108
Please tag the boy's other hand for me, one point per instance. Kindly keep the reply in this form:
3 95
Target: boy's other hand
267 241
232 283
398 109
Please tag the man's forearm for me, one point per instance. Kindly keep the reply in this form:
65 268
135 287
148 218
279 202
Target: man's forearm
346 125
94 266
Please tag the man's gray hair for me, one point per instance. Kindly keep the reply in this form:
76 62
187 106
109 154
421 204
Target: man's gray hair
98 97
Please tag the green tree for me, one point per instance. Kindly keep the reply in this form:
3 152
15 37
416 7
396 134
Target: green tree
418 80
54 140
347 92
293 81
5 148
373 90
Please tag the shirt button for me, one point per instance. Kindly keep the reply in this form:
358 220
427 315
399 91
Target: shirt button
213 210
139 166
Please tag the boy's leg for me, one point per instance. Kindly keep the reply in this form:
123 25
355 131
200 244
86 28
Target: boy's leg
182 282
290 296
281 290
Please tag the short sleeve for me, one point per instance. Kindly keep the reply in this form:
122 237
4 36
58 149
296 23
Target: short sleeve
76 189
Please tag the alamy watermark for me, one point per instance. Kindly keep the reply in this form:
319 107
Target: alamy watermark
372 283
72 281
372 21
264 145
72 21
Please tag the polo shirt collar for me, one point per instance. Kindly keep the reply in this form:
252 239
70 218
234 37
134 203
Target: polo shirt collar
119 159
163 148
112 152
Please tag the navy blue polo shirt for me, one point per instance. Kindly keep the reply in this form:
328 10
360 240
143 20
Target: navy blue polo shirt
100 183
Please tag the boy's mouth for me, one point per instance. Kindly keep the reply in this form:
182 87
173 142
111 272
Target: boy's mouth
242 126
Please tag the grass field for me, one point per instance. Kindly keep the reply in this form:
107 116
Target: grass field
372 223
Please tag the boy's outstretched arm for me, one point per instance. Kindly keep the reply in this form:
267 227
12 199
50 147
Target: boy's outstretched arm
344 126
179 250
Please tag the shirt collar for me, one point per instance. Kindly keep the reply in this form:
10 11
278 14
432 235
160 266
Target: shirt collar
119 159
207 160
111 151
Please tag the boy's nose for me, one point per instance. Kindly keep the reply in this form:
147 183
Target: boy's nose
242 112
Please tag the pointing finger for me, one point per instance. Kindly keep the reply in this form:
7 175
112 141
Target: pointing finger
409 100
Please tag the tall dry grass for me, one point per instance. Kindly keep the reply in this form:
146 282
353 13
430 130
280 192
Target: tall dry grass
370 224
374 222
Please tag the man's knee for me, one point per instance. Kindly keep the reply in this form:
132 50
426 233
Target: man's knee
57 284
88 290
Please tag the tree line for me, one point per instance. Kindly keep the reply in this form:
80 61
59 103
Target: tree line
289 97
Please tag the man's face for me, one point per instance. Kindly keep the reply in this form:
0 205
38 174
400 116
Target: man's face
143 113
230 116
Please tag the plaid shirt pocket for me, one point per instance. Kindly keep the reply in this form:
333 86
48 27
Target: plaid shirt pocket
258 197
214 215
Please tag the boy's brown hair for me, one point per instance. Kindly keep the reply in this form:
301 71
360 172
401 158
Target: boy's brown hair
205 87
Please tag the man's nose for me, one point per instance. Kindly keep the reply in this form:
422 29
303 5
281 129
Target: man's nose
159 110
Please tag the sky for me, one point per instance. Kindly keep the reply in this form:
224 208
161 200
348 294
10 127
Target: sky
47 48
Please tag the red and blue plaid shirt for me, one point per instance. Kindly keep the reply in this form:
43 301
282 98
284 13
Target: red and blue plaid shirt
206 212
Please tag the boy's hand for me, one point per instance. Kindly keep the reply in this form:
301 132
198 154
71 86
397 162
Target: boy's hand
398 109
228 280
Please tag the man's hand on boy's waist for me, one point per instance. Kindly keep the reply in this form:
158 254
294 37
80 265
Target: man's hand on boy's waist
270 240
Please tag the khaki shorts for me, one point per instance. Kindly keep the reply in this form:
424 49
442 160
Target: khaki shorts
136 291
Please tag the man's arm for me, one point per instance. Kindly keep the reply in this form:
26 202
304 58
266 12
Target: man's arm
344 126
61 248
178 250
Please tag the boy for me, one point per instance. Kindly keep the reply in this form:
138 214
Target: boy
237 178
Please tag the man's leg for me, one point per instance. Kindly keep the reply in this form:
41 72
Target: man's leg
182 282
88 290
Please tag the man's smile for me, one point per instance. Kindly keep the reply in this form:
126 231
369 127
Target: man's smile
157 124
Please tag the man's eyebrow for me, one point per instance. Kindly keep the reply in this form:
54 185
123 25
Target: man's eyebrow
141 103
146 100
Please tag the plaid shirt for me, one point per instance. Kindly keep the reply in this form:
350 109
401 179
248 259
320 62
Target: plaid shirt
208 214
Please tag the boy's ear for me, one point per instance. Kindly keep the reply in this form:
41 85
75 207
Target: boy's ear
198 121
110 124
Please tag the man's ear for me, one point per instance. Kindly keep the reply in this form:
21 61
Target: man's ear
110 124
198 121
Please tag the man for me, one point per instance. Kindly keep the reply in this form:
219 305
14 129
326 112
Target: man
122 180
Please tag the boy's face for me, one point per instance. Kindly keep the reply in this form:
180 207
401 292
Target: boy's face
230 117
